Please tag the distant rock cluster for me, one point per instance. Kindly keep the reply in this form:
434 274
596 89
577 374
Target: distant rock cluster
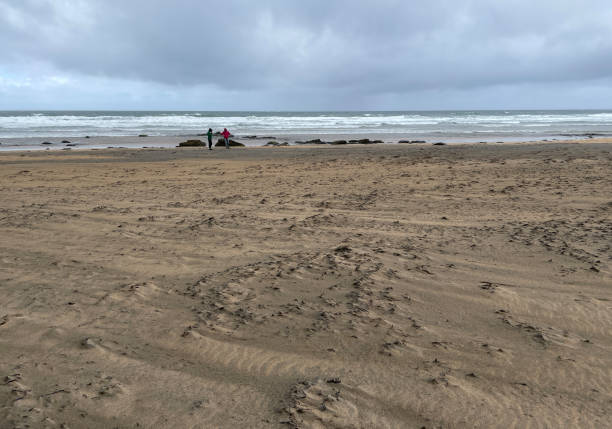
66 142
338 142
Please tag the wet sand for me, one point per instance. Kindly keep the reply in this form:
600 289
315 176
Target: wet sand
80 143
363 286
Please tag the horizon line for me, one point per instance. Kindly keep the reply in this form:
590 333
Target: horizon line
309 111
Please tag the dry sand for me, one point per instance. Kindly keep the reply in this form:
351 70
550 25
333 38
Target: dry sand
379 286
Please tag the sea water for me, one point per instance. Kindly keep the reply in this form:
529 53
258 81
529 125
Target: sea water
462 126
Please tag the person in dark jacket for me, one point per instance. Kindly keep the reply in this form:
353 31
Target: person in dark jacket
209 134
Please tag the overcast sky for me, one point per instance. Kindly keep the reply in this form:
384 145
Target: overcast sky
305 54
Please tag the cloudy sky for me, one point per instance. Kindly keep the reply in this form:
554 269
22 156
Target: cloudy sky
305 54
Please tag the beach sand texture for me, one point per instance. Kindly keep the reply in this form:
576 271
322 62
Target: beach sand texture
389 286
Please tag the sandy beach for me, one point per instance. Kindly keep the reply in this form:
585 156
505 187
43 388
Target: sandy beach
395 286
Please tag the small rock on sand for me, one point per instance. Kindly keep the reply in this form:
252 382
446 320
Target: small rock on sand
87 343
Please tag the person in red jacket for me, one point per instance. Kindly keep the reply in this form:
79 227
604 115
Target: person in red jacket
226 135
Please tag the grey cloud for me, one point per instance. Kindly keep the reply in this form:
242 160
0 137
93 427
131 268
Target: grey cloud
359 47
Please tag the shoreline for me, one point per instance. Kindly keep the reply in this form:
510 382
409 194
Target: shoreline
168 142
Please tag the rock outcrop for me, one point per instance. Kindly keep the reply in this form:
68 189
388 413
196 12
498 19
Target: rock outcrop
365 141
191 143
314 141
232 143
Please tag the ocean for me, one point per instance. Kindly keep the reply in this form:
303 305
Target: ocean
19 128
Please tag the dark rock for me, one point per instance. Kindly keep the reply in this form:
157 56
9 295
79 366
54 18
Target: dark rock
250 137
364 141
411 141
232 143
334 380
143 135
65 141
314 141
46 143
71 144
86 137
439 144
339 142
191 143
87 343
272 144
